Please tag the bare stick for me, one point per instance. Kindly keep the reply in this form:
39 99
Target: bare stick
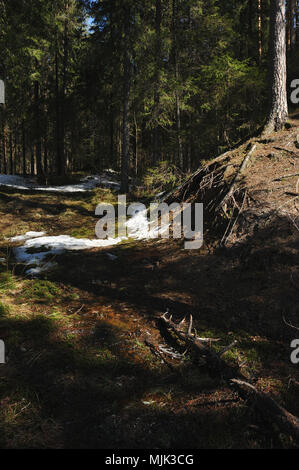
238 176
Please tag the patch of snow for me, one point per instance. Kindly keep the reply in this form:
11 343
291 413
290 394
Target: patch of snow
140 228
138 225
86 184
27 236
38 247
45 247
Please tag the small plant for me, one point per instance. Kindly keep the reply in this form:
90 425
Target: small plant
4 310
7 281
164 177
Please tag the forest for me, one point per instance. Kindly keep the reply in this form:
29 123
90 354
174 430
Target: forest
130 340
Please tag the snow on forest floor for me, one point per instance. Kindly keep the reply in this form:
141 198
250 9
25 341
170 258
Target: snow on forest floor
39 250
46 247
106 180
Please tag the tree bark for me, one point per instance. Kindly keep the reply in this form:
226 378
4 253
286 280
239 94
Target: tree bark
179 150
278 113
259 27
24 148
156 154
38 147
126 107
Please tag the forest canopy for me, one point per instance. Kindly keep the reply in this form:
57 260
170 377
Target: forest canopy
181 79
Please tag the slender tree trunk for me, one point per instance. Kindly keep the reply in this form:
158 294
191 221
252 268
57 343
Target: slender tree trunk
179 150
32 162
4 150
46 165
63 167
259 28
111 129
59 156
38 148
24 148
126 107
135 145
278 113
11 153
156 153
291 32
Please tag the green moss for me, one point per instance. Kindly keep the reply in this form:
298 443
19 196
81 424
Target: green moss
41 290
83 232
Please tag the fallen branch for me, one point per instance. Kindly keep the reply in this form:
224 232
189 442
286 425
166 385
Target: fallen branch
200 347
229 229
265 405
290 324
158 353
286 176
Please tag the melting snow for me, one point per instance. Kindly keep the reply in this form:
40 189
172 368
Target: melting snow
86 184
38 247
27 236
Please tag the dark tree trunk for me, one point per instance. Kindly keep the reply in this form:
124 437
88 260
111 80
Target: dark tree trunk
46 169
126 105
38 148
60 167
32 162
278 113
291 33
259 28
11 153
4 150
63 167
24 148
179 149
156 154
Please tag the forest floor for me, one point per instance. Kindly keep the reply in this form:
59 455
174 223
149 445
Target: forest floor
80 373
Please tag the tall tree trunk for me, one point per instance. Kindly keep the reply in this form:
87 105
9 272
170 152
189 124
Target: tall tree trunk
46 164
11 153
259 28
38 148
156 154
32 162
278 113
59 156
179 149
291 31
4 150
126 106
24 148
63 167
